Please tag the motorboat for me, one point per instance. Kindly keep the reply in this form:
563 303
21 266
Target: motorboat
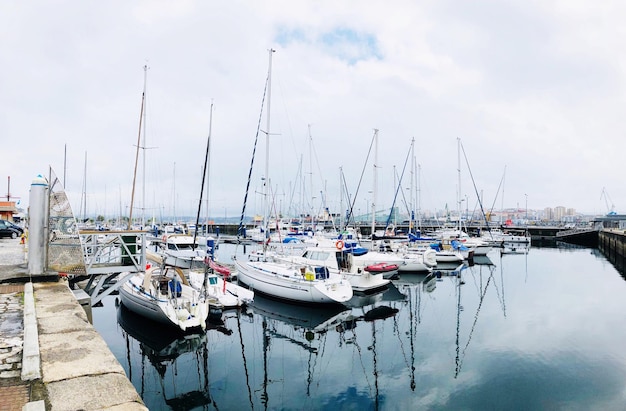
181 250
165 296
228 293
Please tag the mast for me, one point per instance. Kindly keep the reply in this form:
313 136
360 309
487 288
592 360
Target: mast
411 198
174 194
375 183
341 225
419 197
208 170
267 149
84 195
132 195
64 164
204 175
502 200
311 178
458 142
143 183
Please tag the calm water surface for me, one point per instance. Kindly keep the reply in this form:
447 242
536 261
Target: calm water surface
536 331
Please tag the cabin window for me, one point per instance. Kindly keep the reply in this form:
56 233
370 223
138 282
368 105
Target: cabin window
213 280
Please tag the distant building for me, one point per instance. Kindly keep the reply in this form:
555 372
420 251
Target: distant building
7 210
612 220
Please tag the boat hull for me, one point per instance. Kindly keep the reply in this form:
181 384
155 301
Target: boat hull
282 281
184 312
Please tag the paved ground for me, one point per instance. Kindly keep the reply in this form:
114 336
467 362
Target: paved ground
42 328
14 393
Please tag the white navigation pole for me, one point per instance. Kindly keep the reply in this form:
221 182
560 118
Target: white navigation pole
37 227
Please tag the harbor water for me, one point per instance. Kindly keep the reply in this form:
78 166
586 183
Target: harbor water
541 330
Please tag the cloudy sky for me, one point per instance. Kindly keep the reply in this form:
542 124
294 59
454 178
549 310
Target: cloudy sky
534 90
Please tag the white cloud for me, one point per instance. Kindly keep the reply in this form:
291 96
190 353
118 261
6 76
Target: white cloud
534 86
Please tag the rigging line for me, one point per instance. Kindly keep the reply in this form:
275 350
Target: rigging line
292 194
474 183
272 195
256 139
317 162
363 173
493 205
406 204
406 160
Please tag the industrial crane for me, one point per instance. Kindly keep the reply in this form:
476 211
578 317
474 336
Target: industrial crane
607 199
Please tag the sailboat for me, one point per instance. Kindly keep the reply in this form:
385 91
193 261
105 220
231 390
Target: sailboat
165 297
162 295
264 273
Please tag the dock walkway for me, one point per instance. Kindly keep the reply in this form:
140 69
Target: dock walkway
51 357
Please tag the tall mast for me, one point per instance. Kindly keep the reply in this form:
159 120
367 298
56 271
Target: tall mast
311 178
375 186
132 196
64 164
458 150
84 203
502 201
412 185
208 172
419 196
341 212
267 145
143 184
204 176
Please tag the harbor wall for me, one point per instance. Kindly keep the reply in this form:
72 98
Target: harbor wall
612 244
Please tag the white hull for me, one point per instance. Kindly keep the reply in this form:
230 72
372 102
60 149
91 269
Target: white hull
229 294
145 297
365 281
411 266
359 279
286 281
449 257
406 263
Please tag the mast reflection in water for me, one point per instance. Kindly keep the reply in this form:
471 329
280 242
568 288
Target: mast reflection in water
514 331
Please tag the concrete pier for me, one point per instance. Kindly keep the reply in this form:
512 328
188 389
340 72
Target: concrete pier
51 357
612 243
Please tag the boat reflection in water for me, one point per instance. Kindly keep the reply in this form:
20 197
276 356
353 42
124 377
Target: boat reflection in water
308 318
160 359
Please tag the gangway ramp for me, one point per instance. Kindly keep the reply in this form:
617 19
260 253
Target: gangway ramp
106 258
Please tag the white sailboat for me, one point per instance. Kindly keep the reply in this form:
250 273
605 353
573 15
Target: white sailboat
289 281
165 297
340 260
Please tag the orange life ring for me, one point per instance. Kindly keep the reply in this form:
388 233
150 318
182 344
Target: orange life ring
339 245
